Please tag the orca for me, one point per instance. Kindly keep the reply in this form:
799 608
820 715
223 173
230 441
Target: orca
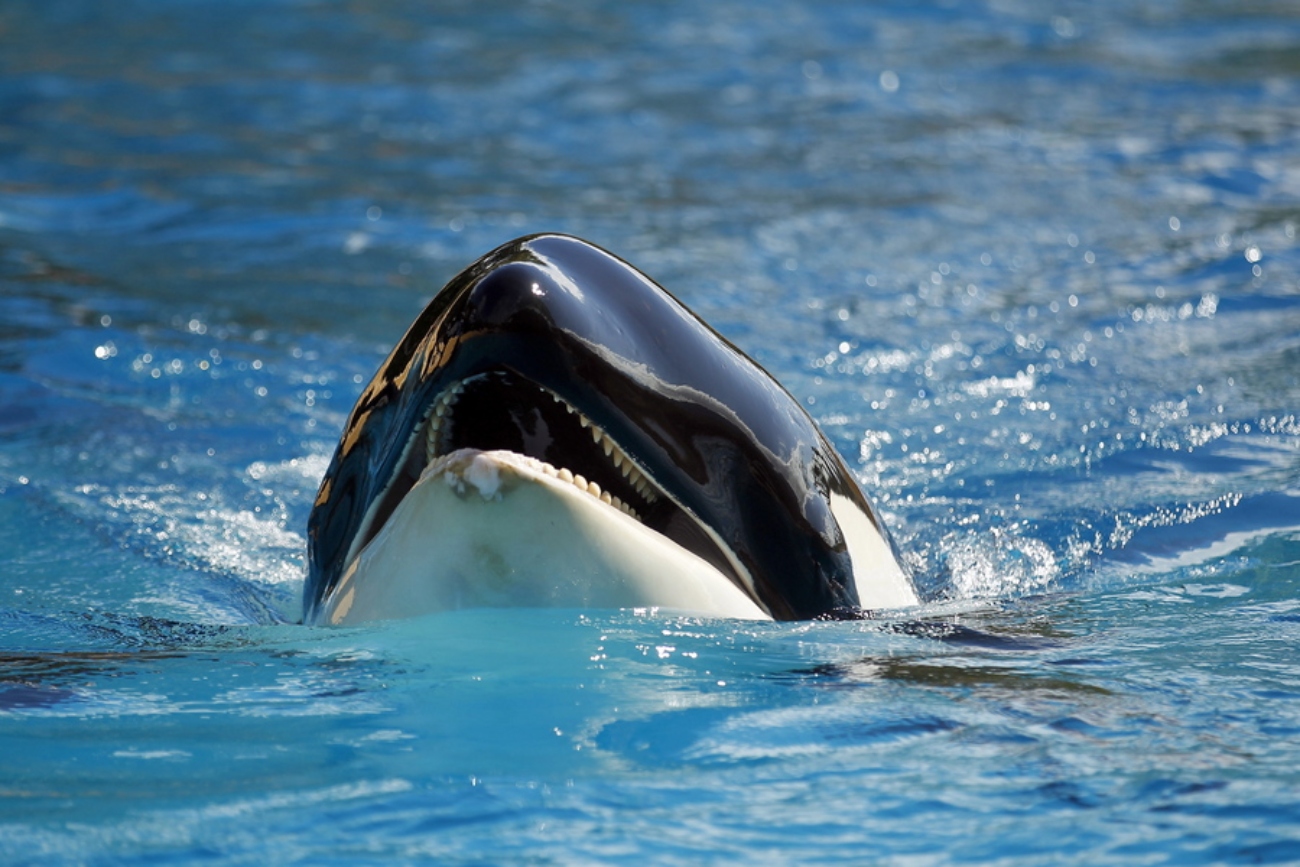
555 429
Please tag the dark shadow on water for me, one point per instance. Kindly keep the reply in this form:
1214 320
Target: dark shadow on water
1007 649
942 672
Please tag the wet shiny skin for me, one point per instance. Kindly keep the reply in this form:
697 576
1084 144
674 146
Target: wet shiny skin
741 476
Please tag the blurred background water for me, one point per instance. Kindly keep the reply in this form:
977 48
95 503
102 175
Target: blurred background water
1032 266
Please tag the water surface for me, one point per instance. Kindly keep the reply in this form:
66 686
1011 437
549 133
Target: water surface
1033 269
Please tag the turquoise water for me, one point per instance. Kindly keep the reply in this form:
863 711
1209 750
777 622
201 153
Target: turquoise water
1035 271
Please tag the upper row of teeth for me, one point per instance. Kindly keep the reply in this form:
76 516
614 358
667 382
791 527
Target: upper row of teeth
616 455
439 432
439 424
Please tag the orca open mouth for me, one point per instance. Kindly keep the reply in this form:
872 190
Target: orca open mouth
502 410
626 454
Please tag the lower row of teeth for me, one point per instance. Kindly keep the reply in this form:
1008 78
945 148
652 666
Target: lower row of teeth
580 482
439 432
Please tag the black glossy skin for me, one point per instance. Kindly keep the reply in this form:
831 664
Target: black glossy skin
710 425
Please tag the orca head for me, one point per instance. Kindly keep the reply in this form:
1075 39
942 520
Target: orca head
555 350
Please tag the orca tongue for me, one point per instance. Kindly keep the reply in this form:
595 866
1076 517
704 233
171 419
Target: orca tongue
499 529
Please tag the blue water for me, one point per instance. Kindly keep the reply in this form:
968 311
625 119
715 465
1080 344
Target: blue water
1034 268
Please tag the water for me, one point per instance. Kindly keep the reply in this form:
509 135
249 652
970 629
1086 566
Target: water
1034 269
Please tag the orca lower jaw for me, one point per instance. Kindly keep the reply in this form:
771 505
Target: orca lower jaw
495 530
502 411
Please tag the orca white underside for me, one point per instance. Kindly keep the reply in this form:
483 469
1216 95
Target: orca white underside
500 529
877 575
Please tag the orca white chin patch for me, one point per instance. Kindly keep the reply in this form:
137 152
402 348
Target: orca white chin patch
880 580
499 529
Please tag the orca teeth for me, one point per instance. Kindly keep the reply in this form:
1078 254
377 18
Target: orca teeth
439 426
566 475
622 462
439 422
